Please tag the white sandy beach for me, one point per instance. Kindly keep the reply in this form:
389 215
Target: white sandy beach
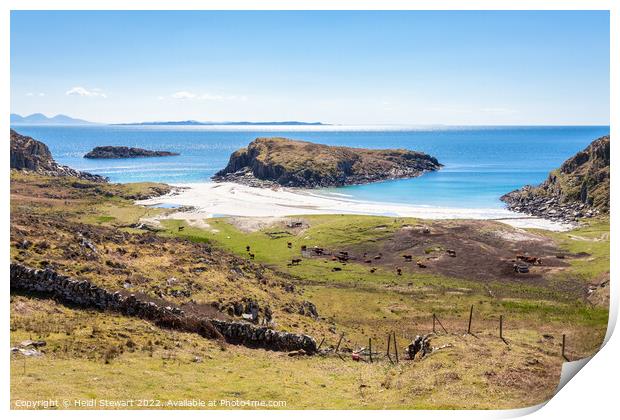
229 199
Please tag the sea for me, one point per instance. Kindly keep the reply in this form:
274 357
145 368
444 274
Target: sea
480 163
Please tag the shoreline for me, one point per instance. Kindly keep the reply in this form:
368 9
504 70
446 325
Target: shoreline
210 199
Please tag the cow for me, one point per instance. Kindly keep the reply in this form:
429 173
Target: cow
372 270
289 245
247 248
529 260
399 271
408 257
251 255
451 252
295 261
181 228
420 264
336 269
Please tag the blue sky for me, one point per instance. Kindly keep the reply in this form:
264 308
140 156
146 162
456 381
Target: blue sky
460 67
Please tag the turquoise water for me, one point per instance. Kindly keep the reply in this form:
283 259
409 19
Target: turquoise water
481 163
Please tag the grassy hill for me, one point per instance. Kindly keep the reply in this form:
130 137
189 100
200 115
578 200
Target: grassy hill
95 354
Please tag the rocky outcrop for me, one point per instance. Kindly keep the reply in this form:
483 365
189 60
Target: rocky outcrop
578 189
279 161
86 294
28 154
123 152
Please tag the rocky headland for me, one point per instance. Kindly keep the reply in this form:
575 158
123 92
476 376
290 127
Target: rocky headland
28 154
276 161
578 189
124 152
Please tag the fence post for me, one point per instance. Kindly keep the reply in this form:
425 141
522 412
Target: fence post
501 328
440 324
320 344
387 353
395 346
339 341
434 323
370 348
564 347
471 312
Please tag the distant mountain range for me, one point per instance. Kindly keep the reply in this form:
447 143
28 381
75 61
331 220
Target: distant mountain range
193 122
40 119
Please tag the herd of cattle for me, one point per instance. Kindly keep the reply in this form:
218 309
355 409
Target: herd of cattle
521 263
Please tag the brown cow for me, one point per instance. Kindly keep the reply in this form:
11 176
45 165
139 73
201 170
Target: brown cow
336 269
372 270
408 257
529 260
295 261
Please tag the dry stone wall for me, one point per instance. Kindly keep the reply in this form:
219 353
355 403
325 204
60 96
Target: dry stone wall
86 294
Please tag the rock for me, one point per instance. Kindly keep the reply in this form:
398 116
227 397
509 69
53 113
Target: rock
268 162
309 309
28 154
580 188
30 343
27 352
123 152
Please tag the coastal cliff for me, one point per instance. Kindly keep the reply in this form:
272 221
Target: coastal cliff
578 188
123 152
28 154
292 163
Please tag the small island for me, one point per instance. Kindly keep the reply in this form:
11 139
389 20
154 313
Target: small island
279 161
124 152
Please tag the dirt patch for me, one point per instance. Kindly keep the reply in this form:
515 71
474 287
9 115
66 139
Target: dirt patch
187 217
474 250
254 224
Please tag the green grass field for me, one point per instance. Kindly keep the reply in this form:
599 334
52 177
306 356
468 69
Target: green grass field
91 354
